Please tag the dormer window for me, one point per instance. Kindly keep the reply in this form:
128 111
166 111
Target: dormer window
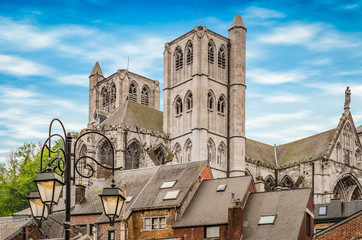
322 210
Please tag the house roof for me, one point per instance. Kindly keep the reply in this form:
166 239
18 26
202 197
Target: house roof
289 206
337 209
10 227
209 207
131 113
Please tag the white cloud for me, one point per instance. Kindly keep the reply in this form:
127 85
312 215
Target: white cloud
351 6
262 13
268 119
350 73
21 67
75 79
263 76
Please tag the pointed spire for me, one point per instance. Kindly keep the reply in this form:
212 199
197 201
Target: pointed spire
238 22
97 70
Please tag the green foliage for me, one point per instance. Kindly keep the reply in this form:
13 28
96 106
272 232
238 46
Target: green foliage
18 174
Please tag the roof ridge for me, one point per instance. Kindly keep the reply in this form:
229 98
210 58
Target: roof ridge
307 137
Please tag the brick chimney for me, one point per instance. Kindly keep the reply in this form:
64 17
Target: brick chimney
235 221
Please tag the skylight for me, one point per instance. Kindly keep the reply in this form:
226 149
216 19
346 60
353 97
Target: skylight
129 198
171 195
322 210
221 188
168 184
267 219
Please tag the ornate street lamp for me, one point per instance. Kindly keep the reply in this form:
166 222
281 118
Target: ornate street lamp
112 201
50 184
38 209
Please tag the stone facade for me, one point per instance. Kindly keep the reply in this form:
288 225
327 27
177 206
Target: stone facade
203 118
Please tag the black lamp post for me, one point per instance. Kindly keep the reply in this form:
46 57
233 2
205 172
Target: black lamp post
50 184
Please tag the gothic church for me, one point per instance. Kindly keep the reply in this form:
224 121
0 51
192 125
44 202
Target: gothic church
203 118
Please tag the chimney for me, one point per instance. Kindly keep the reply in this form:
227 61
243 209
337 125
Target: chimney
79 194
235 221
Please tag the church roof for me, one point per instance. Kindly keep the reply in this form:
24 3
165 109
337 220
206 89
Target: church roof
288 206
209 207
131 113
306 149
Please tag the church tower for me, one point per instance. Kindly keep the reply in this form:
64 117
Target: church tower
204 98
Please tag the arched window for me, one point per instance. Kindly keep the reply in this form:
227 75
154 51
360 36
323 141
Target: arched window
133 154
178 58
144 96
347 135
211 151
221 105
221 58
221 156
113 93
159 156
189 53
104 98
269 184
189 101
211 53
82 152
287 182
105 156
210 101
178 153
347 189
178 106
133 92
339 152
188 149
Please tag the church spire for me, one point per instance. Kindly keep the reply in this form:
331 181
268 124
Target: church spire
238 22
97 69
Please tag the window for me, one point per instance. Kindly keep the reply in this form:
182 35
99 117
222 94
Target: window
212 232
267 219
104 98
133 154
144 96
322 210
221 105
308 230
210 101
133 92
221 188
188 149
178 58
129 198
178 106
211 53
178 154
189 53
172 195
111 235
168 184
92 229
113 93
189 102
154 223
221 60
83 228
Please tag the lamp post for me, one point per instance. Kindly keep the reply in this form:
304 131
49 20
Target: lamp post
50 184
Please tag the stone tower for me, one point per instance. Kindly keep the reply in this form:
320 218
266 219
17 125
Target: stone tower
204 97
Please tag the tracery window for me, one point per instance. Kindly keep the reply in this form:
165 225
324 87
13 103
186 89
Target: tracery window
133 154
178 58
133 92
159 156
210 151
178 106
189 101
347 189
144 96
221 105
104 98
221 155
269 184
106 153
178 153
287 182
113 93
210 101
211 53
221 60
188 149
189 53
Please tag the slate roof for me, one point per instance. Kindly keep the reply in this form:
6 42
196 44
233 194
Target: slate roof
209 207
337 209
131 113
306 149
289 206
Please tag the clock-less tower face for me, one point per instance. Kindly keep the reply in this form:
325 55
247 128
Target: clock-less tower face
203 87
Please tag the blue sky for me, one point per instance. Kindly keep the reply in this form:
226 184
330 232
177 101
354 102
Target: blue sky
301 55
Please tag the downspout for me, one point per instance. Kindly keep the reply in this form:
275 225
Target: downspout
312 182
125 139
228 118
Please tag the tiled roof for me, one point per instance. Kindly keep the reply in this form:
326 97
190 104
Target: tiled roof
10 227
289 206
131 113
209 207
258 151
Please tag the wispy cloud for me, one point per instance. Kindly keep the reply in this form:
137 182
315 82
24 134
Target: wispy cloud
263 76
279 97
21 67
76 79
252 13
268 119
